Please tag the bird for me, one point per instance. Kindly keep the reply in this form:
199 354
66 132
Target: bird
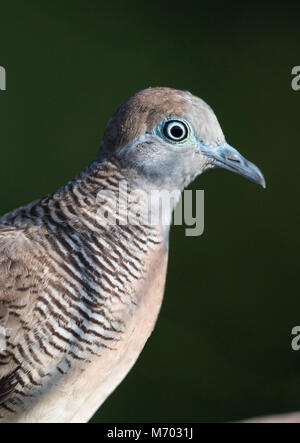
80 295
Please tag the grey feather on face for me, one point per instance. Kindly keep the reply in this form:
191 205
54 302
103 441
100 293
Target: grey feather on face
129 136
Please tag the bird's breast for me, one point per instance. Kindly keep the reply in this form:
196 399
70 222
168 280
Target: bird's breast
105 374
75 391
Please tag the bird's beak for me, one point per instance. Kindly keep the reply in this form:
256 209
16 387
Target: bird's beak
225 156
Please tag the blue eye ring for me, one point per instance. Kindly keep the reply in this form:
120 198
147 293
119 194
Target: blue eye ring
175 130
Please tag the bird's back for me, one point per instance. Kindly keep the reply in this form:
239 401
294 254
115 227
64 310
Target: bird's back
69 290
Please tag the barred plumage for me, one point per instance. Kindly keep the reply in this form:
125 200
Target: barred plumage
69 297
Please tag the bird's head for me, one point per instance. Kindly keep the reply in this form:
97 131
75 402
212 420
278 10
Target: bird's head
168 137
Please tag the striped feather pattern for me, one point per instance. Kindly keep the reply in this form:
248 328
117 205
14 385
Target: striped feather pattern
67 285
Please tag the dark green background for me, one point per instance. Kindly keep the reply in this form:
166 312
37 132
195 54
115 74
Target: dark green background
221 349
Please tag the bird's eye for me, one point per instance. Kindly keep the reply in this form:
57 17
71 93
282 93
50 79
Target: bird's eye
176 130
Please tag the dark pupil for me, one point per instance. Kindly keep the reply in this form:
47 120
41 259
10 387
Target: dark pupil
176 132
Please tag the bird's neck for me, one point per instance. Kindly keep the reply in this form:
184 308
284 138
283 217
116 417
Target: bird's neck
104 198
116 197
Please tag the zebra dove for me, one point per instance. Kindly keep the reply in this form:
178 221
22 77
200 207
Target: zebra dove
79 297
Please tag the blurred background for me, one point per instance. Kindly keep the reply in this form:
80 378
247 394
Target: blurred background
222 346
